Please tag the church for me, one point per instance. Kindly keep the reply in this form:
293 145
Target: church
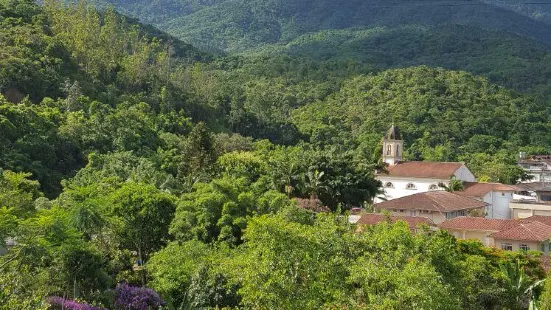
403 178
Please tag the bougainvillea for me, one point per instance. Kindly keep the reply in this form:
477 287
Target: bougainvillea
136 298
57 302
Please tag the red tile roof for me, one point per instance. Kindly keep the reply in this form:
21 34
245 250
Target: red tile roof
475 189
437 201
412 221
424 169
525 231
314 205
539 218
478 223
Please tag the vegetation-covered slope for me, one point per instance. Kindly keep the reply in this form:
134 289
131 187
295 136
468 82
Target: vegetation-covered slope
129 158
491 39
238 25
505 59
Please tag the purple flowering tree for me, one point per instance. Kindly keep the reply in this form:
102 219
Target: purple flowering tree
57 302
136 298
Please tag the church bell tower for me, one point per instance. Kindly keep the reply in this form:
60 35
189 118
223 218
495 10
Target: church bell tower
393 146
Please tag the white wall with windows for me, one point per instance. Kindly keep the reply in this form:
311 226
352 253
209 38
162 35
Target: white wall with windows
397 187
515 245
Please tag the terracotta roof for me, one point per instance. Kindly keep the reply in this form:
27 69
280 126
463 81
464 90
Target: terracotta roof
479 223
525 231
424 169
539 218
314 205
439 201
475 189
412 221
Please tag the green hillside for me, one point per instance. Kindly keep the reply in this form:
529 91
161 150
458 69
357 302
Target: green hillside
138 172
494 39
505 59
238 25
537 10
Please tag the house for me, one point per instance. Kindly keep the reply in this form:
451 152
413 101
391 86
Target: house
476 228
437 206
413 222
538 167
541 191
407 178
498 197
533 233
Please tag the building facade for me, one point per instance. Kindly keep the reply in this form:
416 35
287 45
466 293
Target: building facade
402 179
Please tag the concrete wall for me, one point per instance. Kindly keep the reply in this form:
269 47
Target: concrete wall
487 240
536 246
464 174
482 236
399 186
499 205
524 210
436 217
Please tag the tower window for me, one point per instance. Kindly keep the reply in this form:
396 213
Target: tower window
411 186
397 151
389 150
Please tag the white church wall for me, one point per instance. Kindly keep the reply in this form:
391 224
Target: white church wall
400 187
464 174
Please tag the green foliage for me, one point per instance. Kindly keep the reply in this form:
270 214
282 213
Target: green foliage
154 153
219 210
143 215
18 193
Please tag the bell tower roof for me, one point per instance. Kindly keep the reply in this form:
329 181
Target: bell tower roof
393 133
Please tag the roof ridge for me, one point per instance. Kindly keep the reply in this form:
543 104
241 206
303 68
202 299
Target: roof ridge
529 230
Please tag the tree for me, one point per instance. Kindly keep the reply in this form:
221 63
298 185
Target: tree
453 186
173 268
143 214
306 271
219 210
199 154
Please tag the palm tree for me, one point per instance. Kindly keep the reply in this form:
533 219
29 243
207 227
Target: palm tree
313 183
520 285
453 186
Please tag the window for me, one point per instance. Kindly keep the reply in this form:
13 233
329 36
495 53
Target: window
433 187
397 150
389 150
507 246
524 247
411 186
389 185
401 211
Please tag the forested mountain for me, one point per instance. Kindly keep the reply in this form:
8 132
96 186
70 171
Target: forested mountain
238 25
491 38
130 158
538 10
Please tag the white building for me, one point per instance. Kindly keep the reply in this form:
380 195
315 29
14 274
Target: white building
498 197
538 167
408 178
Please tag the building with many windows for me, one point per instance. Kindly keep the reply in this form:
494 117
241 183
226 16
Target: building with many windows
436 206
533 233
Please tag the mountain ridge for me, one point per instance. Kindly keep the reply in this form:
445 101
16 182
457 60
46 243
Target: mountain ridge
237 25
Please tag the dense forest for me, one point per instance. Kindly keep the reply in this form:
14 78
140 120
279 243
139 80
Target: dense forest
138 171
